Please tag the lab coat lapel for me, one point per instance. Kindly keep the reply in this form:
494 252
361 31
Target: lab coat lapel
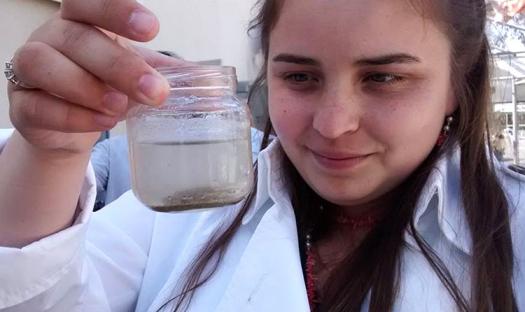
269 275
177 254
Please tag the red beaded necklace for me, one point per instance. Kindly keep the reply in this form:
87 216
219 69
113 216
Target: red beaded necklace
366 221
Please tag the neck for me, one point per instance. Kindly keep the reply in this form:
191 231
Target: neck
375 207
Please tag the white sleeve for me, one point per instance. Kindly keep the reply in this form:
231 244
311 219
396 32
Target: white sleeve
77 269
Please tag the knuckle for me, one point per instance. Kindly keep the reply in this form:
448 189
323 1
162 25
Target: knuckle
125 61
117 62
27 57
47 32
55 24
75 35
71 118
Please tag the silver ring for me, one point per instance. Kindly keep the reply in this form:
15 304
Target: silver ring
11 77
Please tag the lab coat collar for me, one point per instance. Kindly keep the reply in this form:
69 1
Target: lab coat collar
271 182
269 275
443 185
271 260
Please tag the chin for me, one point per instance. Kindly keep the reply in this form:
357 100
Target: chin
349 202
341 197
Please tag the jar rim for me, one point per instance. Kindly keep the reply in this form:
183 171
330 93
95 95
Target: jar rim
196 71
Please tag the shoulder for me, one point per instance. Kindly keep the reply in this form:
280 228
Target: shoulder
513 181
520 170
118 140
118 146
512 178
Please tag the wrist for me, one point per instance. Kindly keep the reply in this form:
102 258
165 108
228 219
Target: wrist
52 157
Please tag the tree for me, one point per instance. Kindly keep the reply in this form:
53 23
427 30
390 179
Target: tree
506 9
506 25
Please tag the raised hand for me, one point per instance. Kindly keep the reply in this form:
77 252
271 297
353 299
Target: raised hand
85 73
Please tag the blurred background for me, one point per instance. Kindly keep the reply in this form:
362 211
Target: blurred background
506 33
215 31
208 31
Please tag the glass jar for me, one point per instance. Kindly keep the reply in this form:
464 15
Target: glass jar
194 151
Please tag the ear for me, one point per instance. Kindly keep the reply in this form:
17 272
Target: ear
452 103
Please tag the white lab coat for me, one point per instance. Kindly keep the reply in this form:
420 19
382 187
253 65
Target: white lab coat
128 258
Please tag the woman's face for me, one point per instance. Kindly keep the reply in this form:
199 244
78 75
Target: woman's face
358 93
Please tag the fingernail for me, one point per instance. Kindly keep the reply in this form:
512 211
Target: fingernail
142 23
116 102
105 120
153 87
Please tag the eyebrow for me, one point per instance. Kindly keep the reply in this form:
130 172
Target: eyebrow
296 59
396 58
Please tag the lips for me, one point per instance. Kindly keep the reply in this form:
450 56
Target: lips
339 160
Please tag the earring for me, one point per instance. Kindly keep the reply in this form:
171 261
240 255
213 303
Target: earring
444 134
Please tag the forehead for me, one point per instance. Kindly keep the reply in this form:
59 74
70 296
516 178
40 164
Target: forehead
356 26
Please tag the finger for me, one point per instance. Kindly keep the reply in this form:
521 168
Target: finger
43 67
38 109
156 59
124 17
117 66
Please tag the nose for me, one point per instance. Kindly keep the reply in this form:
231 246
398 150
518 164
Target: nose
338 114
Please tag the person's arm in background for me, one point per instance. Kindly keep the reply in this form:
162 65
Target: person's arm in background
111 164
101 165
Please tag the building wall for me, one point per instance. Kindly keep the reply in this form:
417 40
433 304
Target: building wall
196 30
206 29
18 18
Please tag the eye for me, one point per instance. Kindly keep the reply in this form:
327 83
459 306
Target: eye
300 81
299 77
383 78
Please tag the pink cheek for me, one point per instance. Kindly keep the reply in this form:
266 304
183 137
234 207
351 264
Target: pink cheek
278 118
289 117
287 126
281 121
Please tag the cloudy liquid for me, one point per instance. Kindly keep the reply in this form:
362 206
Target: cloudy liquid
176 176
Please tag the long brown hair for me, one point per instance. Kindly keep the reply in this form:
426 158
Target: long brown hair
374 266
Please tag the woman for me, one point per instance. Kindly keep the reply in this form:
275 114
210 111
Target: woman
378 194
499 144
